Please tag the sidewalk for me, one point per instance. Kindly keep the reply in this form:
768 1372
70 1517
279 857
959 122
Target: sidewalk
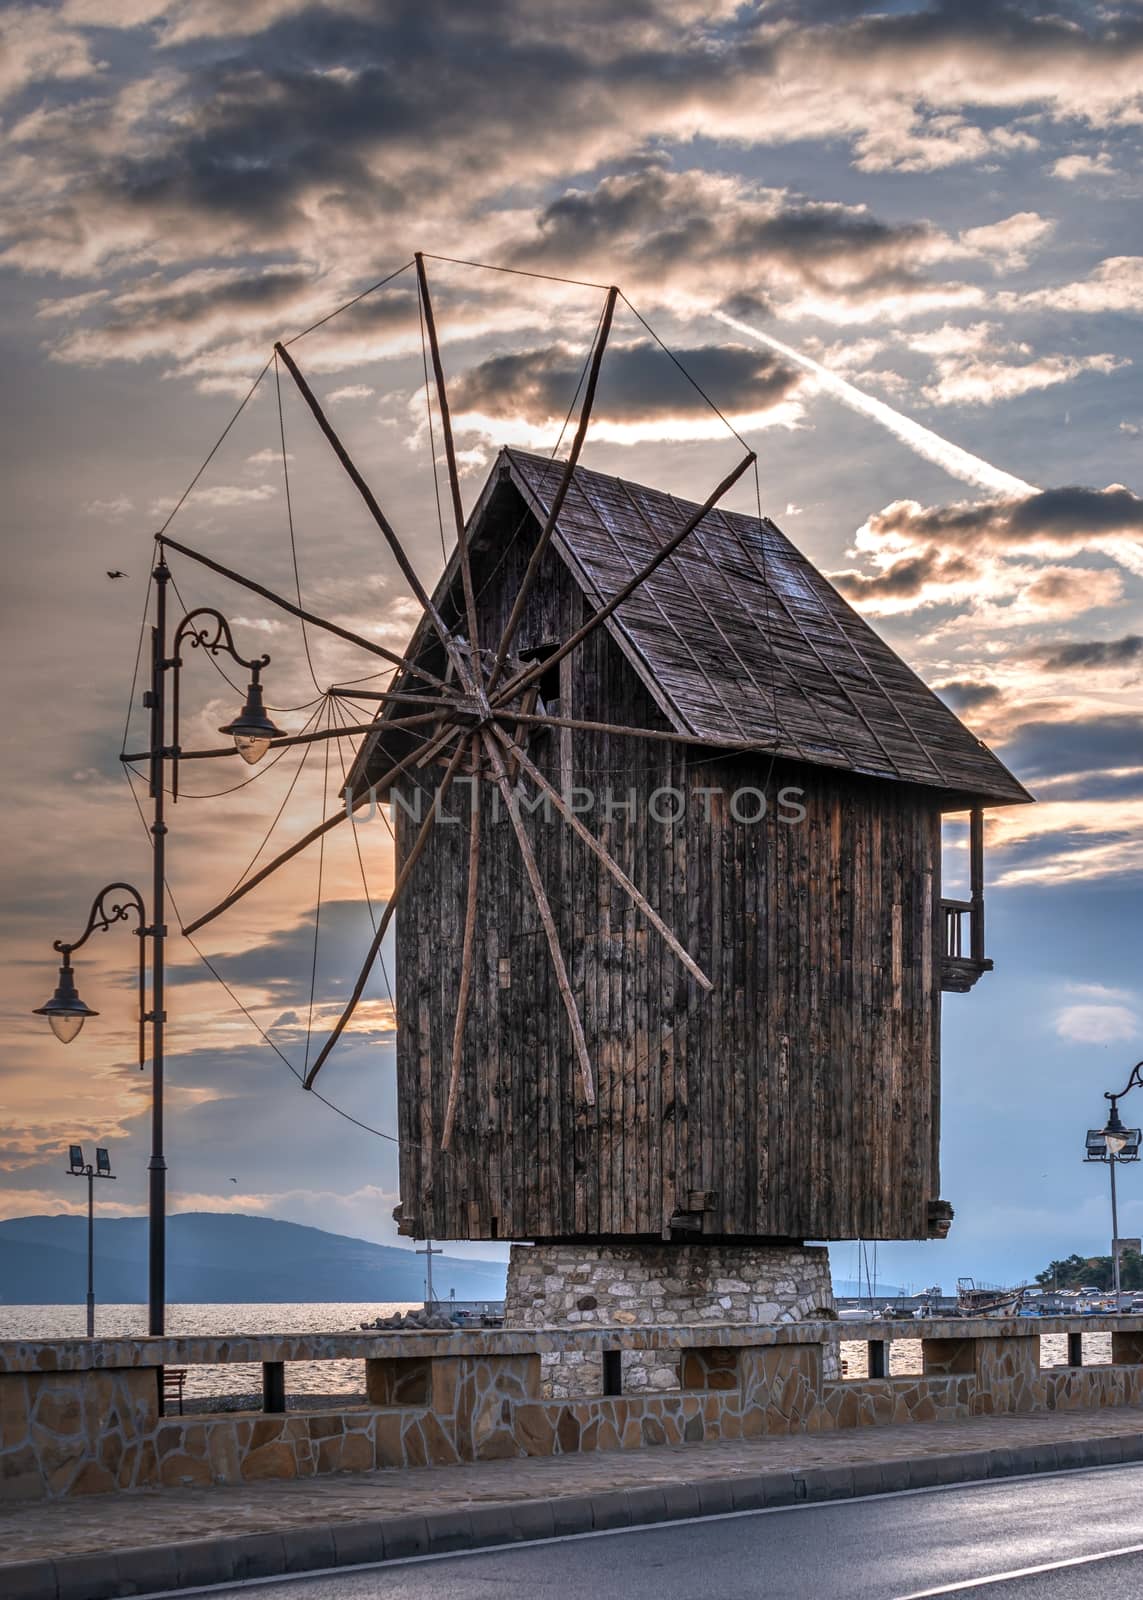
113 1545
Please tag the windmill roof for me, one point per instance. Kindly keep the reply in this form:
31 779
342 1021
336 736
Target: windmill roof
741 640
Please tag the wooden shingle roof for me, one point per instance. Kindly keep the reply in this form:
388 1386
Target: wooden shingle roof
739 638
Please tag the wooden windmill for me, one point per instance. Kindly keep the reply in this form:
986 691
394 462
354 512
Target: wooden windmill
708 1003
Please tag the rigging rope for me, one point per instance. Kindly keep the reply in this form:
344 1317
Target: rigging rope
377 1133
290 521
432 436
317 906
212 452
305 749
372 289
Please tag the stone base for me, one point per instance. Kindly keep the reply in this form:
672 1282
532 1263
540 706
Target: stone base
641 1285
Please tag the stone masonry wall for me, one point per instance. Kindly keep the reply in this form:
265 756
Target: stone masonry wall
644 1285
80 1417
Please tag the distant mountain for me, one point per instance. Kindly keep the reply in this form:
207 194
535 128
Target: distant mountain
222 1258
848 1289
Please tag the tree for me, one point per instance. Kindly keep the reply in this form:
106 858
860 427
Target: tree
1072 1272
1077 1272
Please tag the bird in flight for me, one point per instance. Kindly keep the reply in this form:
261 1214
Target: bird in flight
116 573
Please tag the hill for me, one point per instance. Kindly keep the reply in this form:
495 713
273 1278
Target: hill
222 1258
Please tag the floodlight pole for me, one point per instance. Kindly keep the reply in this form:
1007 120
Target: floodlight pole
428 1252
88 1171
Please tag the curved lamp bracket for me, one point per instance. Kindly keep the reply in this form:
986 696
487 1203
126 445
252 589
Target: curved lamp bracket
104 915
200 635
1133 1082
206 629
115 903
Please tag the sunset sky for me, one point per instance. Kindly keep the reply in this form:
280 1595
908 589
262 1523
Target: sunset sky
939 205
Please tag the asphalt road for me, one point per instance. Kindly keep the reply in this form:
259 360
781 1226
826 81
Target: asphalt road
886 1548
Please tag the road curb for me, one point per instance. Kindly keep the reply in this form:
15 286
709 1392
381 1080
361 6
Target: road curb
165 1569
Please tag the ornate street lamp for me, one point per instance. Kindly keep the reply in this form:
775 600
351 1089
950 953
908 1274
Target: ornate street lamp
1116 1141
253 732
66 1012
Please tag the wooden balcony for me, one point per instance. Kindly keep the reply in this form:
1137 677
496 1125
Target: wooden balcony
963 960
962 956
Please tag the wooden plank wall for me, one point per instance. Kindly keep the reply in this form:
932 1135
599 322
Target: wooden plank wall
801 1093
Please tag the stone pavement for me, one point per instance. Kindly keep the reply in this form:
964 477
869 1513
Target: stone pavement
102 1522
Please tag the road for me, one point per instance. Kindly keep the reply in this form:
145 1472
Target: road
885 1548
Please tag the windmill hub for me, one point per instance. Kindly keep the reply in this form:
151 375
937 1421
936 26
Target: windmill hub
471 711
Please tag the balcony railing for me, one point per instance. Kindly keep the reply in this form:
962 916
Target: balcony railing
963 960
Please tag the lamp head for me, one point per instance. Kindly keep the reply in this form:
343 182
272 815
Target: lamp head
1115 1135
66 1012
252 729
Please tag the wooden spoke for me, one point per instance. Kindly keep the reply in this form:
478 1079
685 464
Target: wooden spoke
283 604
587 1077
561 492
531 695
533 673
367 495
314 834
403 877
578 724
349 732
470 910
450 460
342 693
608 860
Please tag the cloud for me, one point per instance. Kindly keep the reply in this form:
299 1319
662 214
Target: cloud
1071 655
969 697
658 230
1049 521
1087 1023
1072 167
993 559
350 391
931 446
929 576
1011 241
36 47
289 141
1045 749
969 380
641 395
229 496
158 316
1116 284
113 510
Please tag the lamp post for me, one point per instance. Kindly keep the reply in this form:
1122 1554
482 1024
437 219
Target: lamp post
252 732
1116 1140
81 1169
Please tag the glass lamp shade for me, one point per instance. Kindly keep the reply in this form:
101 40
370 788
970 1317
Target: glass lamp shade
1115 1135
252 730
65 1011
65 1028
251 747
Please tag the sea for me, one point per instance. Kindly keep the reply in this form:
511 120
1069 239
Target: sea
233 1380
306 1380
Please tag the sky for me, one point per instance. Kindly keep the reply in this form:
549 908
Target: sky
901 248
